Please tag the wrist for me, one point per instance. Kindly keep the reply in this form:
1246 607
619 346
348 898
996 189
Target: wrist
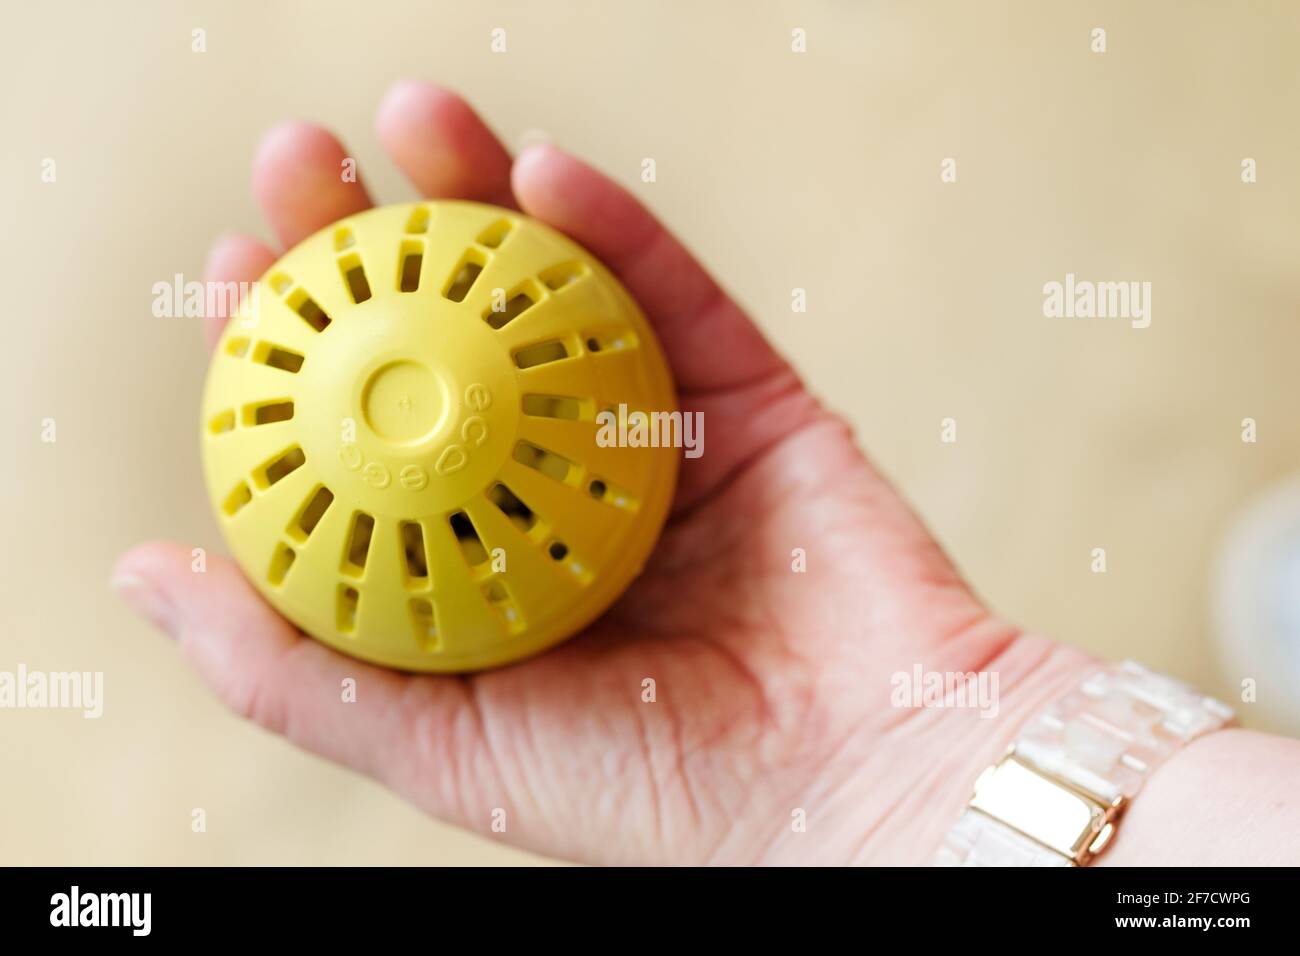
939 752
1081 765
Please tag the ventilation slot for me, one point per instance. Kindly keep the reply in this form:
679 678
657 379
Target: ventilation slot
560 554
222 422
495 234
267 413
354 275
541 353
566 273
471 545
311 513
426 624
354 560
311 313
614 340
602 490
276 357
417 564
508 307
519 513
547 462
241 496
552 406
463 276
237 347
280 283
496 594
408 273
349 599
280 467
281 562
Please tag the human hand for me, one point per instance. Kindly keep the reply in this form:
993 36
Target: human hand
772 685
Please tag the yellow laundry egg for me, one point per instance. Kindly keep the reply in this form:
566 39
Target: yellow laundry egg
405 441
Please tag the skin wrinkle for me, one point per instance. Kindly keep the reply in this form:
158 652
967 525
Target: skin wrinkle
761 448
283 716
778 497
719 309
534 772
781 407
647 754
644 778
716 540
791 795
646 258
825 784
746 781
247 696
939 772
760 708
748 383
633 776
379 760
526 753
733 617
1040 672
437 747
488 749
662 245
766 623
849 740
703 746
724 729
931 775
711 301
727 815
740 811
891 809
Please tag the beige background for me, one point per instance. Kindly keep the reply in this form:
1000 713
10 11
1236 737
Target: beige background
818 170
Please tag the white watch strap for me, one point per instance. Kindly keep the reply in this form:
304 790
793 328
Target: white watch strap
1055 797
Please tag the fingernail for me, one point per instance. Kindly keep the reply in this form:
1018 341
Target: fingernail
534 137
285 133
147 601
405 87
218 246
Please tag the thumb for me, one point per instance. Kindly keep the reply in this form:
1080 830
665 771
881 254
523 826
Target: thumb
262 667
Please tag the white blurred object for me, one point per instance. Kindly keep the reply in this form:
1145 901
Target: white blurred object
1257 604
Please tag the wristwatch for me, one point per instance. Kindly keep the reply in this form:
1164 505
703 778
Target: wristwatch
1056 796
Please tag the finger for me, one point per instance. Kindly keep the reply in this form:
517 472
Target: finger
299 178
441 144
233 258
266 670
710 343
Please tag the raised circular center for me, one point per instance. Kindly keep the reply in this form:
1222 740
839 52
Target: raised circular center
403 401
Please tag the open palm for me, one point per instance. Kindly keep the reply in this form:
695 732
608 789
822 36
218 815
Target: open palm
734 705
